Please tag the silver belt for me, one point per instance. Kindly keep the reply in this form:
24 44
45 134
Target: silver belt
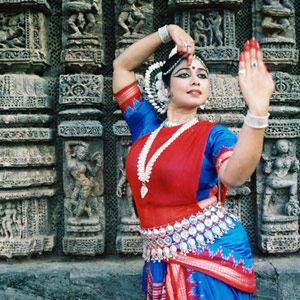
188 234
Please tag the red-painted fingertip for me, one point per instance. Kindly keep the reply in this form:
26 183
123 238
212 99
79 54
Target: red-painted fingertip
247 46
242 56
253 43
253 39
257 46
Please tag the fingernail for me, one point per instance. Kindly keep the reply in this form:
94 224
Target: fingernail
257 46
242 56
253 43
253 39
247 46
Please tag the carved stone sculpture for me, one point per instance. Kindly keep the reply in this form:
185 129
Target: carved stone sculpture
277 200
128 237
281 170
213 32
82 37
23 44
133 21
84 206
274 28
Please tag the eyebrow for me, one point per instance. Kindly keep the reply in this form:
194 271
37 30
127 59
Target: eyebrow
188 68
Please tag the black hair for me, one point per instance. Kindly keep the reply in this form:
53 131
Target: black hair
170 64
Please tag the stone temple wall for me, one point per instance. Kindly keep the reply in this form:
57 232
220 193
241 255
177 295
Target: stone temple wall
63 141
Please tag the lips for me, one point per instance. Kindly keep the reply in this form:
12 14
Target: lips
194 93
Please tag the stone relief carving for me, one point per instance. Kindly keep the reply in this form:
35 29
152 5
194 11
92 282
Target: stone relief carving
274 28
281 170
133 21
12 31
277 199
84 205
22 38
224 93
81 89
207 30
123 191
82 36
276 19
131 18
128 237
81 15
22 91
204 3
83 199
214 34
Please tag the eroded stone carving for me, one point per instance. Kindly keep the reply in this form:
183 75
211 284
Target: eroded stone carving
22 38
81 89
204 3
277 199
82 37
81 15
134 20
24 91
21 156
128 237
80 128
21 232
281 170
214 35
274 28
131 18
224 93
84 205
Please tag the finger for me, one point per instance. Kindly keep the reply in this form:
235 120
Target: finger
242 70
259 57
253 56
247 57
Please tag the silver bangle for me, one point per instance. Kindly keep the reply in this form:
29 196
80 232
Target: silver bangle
258 122
164 35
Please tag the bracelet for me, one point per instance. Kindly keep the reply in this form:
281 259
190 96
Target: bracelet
255 121
164 35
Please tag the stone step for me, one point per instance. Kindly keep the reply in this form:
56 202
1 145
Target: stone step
119 278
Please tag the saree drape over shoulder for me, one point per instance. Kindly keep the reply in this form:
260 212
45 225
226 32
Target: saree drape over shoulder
189 253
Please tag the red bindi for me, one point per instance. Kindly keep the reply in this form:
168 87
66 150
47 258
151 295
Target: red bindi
193 67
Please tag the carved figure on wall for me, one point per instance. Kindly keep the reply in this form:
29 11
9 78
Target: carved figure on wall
201 31
282 170
207 30
131 19
9 220
82 15
276 17
83 198
12 30
214 20
123 189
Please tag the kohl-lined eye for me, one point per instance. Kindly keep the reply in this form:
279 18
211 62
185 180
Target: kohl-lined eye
202 76
183 75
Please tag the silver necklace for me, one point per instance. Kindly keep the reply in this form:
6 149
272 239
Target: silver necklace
168 123
145 172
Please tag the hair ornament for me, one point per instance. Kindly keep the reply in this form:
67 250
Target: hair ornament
155 88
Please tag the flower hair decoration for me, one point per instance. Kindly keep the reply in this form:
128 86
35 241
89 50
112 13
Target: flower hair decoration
157 93
155 88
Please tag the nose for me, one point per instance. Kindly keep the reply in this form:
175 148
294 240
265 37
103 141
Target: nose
195 80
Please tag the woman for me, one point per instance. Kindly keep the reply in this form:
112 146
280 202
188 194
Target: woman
194 248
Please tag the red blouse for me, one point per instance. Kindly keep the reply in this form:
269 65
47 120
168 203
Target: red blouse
174 180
